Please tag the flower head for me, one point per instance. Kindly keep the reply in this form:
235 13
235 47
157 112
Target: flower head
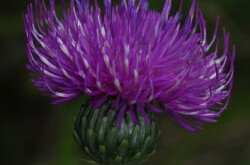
139 59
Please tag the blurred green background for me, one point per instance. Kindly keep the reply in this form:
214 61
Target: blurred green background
33 132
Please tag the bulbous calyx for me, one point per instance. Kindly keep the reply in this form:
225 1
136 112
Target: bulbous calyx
97 133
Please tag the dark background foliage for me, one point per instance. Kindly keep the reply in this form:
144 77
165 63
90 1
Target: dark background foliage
33 132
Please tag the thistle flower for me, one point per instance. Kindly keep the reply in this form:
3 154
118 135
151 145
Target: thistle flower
139 59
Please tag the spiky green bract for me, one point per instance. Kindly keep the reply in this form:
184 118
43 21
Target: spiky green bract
97 133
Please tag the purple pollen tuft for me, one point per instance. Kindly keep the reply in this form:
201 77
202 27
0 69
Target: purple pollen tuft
140 59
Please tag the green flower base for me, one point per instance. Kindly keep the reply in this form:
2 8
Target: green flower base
99 136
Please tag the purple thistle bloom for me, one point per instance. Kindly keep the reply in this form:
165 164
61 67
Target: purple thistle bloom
140 59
